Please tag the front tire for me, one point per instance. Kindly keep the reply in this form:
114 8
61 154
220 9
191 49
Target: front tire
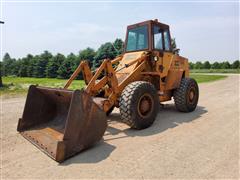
139 104
186 95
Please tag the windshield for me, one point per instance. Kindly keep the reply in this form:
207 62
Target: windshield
137 39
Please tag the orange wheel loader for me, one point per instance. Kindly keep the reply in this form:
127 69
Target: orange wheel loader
63 122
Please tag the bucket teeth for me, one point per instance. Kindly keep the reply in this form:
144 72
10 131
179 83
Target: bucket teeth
61 122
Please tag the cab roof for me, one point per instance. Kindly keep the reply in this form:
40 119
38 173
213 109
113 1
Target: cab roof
149 22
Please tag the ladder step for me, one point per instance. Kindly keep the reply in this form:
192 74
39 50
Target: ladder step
160 93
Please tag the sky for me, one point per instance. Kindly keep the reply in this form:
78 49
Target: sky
203 30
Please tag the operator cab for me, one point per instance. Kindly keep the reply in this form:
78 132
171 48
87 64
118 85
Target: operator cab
148 36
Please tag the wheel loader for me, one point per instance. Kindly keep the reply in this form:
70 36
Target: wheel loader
63 122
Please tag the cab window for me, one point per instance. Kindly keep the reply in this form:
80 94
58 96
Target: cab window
166 40
157 38
137 39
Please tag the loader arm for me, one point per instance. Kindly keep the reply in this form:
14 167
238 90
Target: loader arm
109 78
86 71
109 82
92 81
87 74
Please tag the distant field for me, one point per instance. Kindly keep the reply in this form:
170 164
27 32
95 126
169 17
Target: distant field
207 78
17 85
237 71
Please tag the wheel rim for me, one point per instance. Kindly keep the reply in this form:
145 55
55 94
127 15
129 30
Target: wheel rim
191 95
145 105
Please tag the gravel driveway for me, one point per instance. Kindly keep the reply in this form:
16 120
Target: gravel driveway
201 144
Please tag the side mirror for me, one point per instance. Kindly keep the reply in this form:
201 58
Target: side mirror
176 51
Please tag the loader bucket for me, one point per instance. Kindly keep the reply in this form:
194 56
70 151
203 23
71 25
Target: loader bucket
61 122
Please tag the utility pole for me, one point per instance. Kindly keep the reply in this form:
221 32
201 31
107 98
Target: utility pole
1 84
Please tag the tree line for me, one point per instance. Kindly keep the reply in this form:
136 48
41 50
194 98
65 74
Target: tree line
59 65
215 65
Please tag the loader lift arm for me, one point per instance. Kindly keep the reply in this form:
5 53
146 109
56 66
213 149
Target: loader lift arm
87 74
110 79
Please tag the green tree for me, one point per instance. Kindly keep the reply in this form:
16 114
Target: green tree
41 64
206 65
191 65
118 45
8 65
87 54
67 67
225 65
106 51
198 65
215 65
53 65
235 64
16 68
32 60
36 71
23 66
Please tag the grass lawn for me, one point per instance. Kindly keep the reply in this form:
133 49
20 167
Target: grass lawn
237 71
200 78
17 85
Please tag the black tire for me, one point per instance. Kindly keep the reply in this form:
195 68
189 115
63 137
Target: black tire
139 104
186 95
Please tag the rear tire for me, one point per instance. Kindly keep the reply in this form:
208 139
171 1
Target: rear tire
139 104
186 95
